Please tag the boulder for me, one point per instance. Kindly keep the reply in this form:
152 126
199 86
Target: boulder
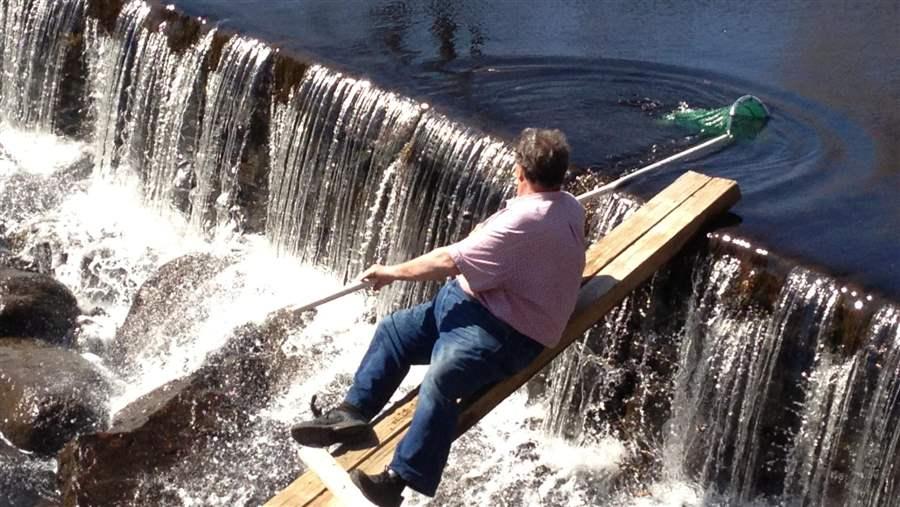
33 305
27 195
24 479
160 302
211 407
47 395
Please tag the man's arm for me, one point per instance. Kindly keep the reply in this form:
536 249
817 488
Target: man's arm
434 265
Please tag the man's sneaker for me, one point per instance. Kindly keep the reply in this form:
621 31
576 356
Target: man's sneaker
384 489
341 425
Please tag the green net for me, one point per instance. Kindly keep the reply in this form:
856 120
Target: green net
743 118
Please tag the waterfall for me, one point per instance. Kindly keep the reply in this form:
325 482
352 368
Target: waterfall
847 442
162 116
740 366
334 147
110 59
873 478
763 403
232 99
360 175
150 130
37 38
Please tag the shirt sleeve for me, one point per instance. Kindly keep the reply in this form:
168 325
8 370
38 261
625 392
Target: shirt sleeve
487 255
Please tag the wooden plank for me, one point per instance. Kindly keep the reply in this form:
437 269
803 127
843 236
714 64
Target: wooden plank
373 464
615 266
308 486
333 475
648 215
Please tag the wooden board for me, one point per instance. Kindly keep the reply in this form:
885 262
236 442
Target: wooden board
616 265
334 477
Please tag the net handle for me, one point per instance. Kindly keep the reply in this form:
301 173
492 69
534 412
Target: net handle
615 185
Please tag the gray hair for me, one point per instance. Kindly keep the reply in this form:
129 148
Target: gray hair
544 156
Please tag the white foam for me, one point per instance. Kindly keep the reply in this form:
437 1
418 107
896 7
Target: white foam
36 152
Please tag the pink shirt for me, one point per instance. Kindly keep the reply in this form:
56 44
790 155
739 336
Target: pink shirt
525 263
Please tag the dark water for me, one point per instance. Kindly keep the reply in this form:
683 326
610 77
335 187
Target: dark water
819 182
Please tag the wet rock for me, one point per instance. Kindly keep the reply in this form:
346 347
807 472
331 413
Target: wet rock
24 479
181 31
103 279
211 407
105 12
288 72
47 395
26 195
158 304
38 259
90 332
72 102
8 258
33 305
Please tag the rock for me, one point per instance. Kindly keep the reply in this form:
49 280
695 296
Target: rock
47 395
103 279
29 195
157 306
183 418
24 479
33 305
8 256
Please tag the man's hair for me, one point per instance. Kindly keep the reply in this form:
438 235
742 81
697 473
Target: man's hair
544 156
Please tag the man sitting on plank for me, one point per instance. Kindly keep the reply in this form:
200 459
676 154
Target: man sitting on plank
516 281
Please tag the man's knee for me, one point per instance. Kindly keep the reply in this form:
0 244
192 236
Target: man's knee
440 383
384 327
451 377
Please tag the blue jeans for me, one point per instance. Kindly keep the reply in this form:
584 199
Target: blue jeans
468 349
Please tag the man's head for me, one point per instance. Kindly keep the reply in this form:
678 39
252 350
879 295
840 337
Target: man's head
543 157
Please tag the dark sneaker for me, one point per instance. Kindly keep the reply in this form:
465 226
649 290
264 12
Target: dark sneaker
341 425
384 489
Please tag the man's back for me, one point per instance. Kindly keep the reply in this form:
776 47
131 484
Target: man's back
525 263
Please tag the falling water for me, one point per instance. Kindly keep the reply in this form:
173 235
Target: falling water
232 99
719 340
110 59
335 146
741 365
37 37
874 476
361 176
158 120
845 447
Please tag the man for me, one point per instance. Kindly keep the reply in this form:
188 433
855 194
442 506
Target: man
516 280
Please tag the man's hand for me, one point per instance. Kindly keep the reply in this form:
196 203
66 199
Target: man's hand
379 275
